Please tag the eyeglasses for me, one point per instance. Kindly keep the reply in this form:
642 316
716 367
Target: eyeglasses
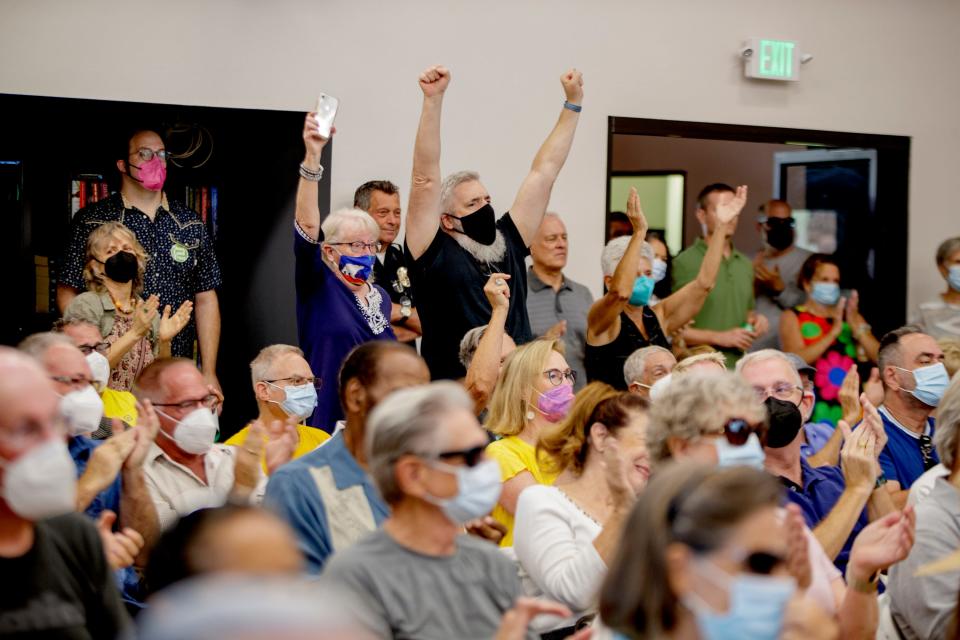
369 247
103 348
298 381
926 450
146 154
737 431
74 381
773 222
556 376
207 402
780 391
470 456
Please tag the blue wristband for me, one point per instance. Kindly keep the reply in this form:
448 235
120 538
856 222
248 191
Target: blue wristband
573 107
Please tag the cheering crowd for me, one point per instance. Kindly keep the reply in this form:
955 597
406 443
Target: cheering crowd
465 446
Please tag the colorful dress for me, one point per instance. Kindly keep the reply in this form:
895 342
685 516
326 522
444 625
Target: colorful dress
832 366
134 361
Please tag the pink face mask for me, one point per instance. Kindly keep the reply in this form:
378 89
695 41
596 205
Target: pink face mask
555 404
153 173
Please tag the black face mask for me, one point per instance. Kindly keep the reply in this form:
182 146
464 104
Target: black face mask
121 267
481 225
785 422
780 233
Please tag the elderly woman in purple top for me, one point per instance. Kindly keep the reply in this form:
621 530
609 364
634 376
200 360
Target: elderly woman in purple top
338 306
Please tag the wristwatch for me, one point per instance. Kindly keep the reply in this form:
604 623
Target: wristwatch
406 307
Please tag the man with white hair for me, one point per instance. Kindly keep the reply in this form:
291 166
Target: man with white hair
454 239
419 576
836 502
56 581
645 366
286 391
557 305
338 305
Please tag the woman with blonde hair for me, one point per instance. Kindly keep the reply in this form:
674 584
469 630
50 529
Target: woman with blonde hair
565 535
113 269
535 391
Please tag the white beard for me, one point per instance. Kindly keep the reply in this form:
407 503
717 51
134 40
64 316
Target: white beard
482 252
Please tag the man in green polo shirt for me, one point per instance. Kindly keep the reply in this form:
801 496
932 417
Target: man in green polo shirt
727 320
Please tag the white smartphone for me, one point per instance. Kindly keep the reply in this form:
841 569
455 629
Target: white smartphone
326 112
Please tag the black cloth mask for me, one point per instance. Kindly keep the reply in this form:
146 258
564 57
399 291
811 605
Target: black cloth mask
785 422
780 234
481 225
121 267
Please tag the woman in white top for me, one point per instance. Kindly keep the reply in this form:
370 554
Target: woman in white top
565 535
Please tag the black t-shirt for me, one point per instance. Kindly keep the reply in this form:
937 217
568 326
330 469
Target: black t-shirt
450 298
62 587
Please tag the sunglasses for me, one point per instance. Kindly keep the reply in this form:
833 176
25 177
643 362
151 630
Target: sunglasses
470 456
737 431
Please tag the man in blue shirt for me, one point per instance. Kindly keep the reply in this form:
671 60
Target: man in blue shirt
836 502
327 496
914 380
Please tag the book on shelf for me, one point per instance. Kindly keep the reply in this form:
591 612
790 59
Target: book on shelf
85 189
203 200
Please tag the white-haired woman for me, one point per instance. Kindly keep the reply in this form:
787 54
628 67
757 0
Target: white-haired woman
621 321
338 306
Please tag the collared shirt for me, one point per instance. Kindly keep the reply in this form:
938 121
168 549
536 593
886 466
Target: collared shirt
817 434
81 448
730 301
387 274
901 460
547 307
328 499
178 491
182 259
821 490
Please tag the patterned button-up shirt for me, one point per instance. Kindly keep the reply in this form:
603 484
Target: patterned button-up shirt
182 259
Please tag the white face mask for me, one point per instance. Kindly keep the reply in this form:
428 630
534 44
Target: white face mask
659 269
41 483
100 368
196 432
83 410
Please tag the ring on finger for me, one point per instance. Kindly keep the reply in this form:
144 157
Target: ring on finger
499 282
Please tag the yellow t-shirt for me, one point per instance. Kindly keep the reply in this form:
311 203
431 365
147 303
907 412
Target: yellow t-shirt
310 439
515 455
119 404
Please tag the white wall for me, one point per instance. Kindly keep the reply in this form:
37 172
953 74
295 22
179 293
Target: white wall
876 71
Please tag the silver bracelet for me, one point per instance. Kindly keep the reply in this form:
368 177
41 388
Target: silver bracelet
309 174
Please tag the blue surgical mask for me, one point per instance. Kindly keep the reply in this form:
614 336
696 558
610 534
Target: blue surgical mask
299 401
356 269
826 293
478 489
757 605
932 382
749 454
642 289
659 269
953 277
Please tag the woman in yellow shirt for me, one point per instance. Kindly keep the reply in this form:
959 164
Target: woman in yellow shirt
285 388
535 390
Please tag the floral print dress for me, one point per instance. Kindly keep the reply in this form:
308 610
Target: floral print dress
134 361
831 367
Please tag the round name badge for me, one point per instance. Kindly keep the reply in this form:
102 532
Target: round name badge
179 253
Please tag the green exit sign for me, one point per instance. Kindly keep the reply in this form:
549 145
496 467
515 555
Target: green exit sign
769 59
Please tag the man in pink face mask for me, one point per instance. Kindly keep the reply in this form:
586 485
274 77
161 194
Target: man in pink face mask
182 265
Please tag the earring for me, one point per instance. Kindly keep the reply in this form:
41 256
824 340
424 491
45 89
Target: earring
531 415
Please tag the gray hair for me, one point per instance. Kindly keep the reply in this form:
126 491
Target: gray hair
450 183
697 404
768 354
613 253
634 366
37 345
364 193
890 353
262 364
947 435
469 345
946 249
409 421
333 226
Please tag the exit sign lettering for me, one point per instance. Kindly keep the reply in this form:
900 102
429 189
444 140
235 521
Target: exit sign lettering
768 59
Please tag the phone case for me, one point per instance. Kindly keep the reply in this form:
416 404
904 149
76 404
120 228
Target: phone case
326 112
